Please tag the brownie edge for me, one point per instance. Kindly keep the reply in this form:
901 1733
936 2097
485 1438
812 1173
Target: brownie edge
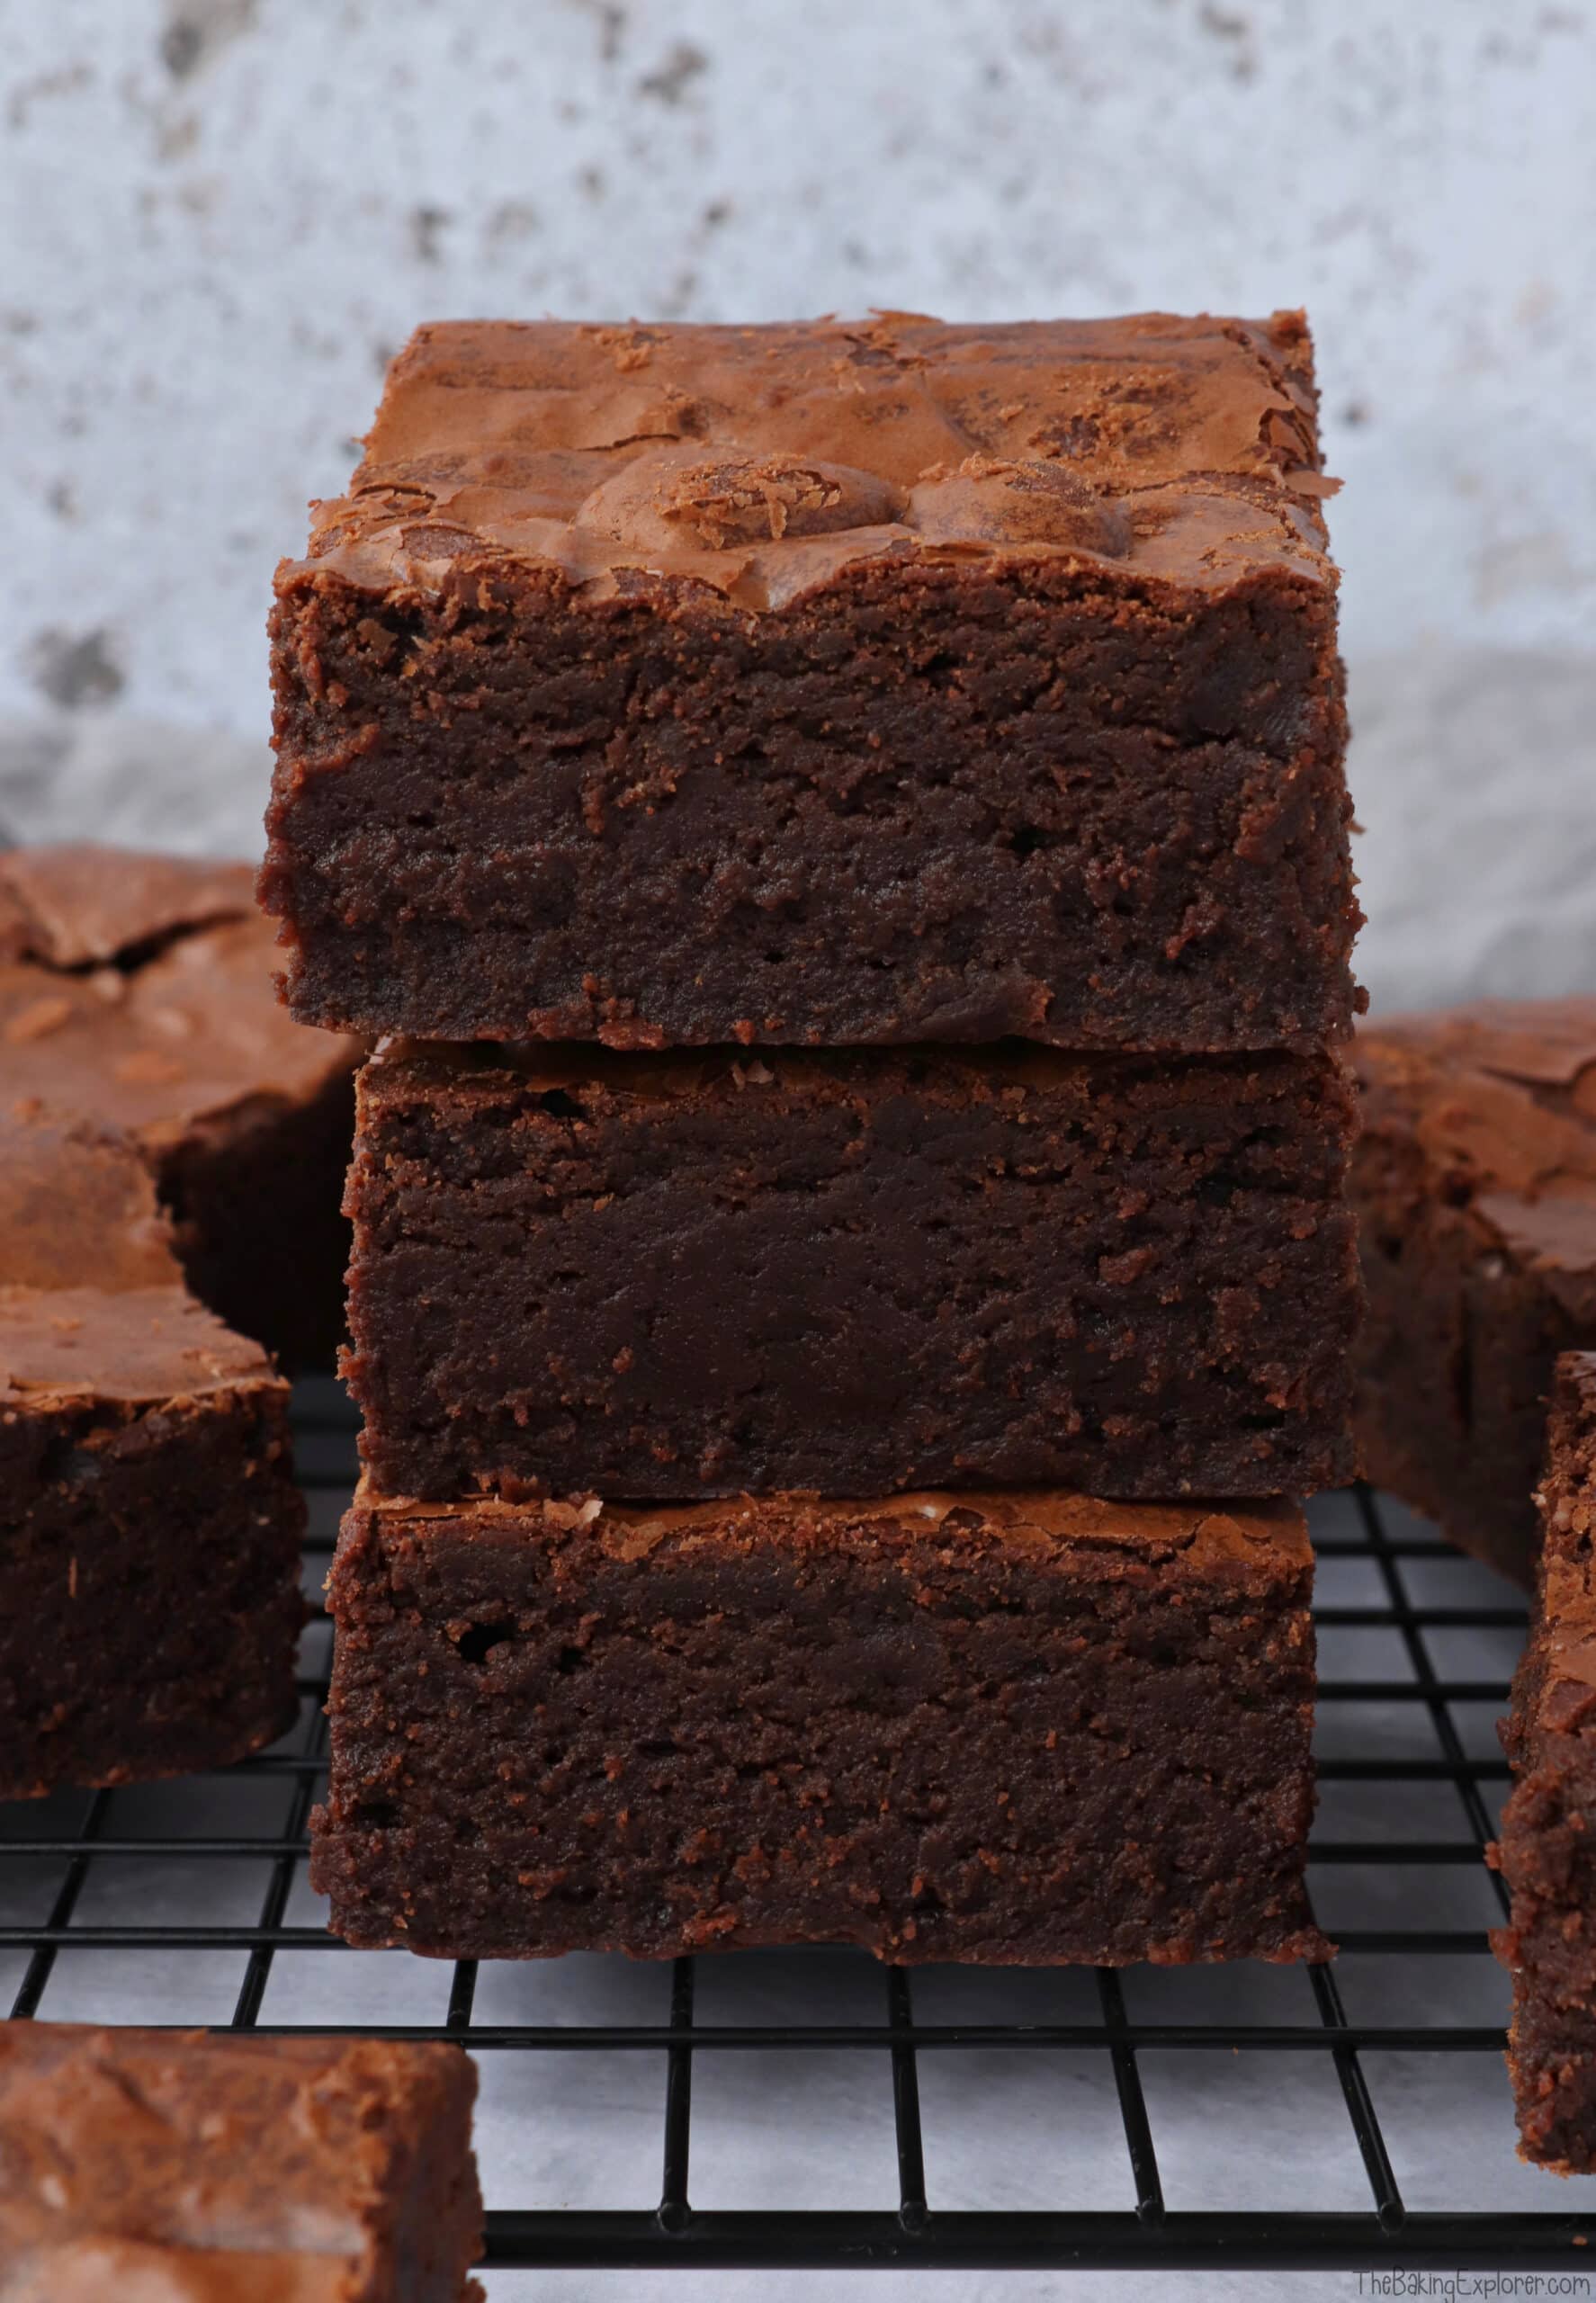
1005 1729
233 2166
1546 1852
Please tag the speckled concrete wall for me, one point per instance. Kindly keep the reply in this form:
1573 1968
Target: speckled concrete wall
221 216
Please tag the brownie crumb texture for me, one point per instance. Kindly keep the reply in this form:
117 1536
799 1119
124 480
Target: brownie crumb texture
1548 1849
853 1271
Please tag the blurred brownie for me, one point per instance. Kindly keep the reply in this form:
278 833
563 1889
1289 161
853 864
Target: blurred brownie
1547 1849
1020 1727
149 1539
822 685
78 1208
221 2167
660 1277
1474 1183
137 990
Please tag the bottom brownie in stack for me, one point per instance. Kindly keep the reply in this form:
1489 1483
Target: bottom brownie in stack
1014 1727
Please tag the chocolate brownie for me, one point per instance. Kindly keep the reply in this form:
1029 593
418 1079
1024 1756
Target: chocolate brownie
826 684
149 1539
1024 1728
78 1208
137 990
220 2165
660 1276
1547 1849
1474 1183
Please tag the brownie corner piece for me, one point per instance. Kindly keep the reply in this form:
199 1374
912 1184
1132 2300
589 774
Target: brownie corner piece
1473 1183
149 1539
1009 1728
1547 1850
229 2165
819 684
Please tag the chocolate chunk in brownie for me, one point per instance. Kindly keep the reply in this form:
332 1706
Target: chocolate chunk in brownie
1022 1727
828 684
1474 1183
1547 1849
660 1277
224 2165
135 990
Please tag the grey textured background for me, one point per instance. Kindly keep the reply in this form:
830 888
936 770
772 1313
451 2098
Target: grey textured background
221 216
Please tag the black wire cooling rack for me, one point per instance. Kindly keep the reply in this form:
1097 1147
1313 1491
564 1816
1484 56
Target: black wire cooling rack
1410 1783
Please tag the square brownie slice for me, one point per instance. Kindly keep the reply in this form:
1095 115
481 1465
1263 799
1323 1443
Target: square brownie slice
1547 1848
1017 1727
135 990
223 2165
822 685
660 1277
1474 1183
149 1539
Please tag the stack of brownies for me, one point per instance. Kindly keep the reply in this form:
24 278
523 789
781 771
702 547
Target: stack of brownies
846 827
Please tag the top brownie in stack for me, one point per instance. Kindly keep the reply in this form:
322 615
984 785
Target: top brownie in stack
822 685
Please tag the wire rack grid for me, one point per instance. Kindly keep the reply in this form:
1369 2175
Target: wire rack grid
974 2119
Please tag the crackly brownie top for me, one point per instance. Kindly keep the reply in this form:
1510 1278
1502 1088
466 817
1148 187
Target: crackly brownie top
761 461
1265 1539
1500 1098
77 1208
196 2140
139 988
82 906
66 1346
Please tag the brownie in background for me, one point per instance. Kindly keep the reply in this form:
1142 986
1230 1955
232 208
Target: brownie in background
1475 1185
221 2167
1547 1848
137 992
1022 1728
858 1271
149 1540
828 684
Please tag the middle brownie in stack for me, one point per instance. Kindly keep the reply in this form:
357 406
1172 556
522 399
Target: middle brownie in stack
767 1412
